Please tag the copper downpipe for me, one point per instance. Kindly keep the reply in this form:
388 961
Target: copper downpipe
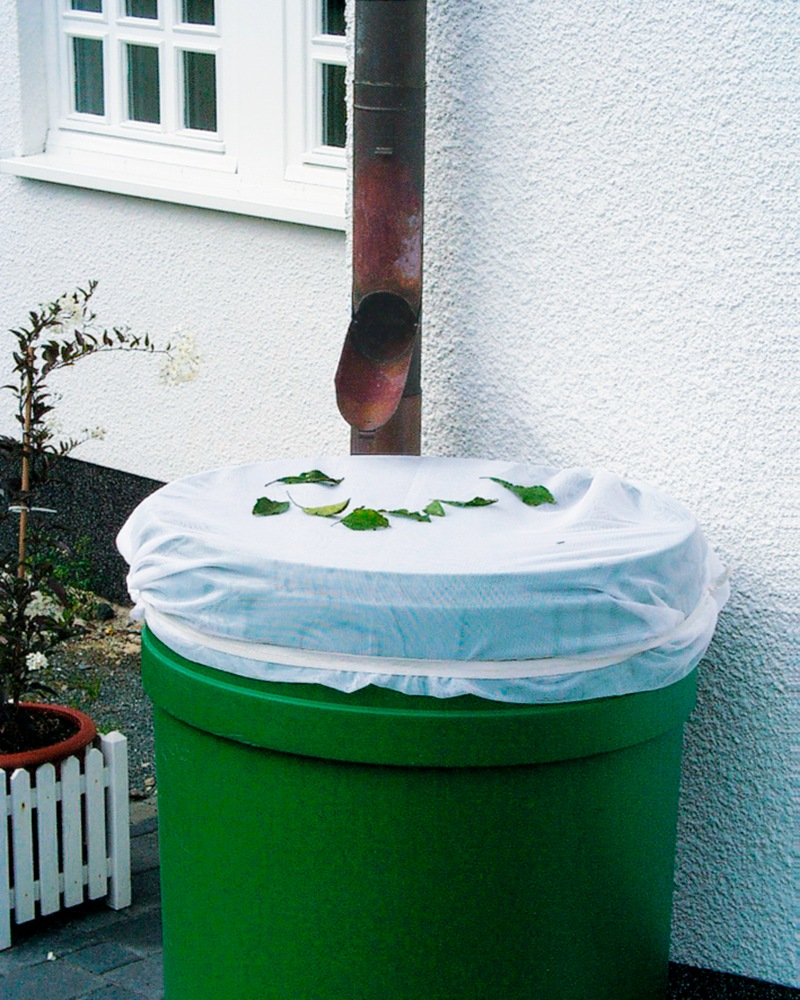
378 378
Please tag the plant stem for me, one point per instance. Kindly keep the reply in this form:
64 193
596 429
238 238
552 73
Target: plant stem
25 474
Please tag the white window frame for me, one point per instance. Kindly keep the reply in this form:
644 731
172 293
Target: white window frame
322 50
304 89
170 39
265 159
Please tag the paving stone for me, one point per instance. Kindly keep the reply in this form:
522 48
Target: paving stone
98 918
146 889
141 932
21 954
144 853
143 813
145 826
31 945
112 992
103 957
49 981
144 978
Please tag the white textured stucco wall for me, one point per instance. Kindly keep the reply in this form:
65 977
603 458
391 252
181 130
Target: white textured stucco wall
612 248
612 280
267 302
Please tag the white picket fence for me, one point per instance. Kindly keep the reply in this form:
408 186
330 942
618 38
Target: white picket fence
65 835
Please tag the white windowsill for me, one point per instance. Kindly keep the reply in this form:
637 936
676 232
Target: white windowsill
307 204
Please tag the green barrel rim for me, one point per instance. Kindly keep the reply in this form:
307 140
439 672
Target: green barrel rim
380 726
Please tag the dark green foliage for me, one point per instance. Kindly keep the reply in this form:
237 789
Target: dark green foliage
474 502
314 476
533 496
268 508
413 515
331 510
365 519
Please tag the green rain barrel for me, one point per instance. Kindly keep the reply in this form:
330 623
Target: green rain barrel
324 844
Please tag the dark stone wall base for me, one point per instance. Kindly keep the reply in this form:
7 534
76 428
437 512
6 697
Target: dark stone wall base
92 503
689 983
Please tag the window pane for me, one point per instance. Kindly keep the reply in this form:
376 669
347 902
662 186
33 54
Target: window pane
198 11
143 84
333 17
334 113
142 8
95 6
87 56
200 91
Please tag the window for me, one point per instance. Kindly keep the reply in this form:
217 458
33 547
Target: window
147 71
327 61
317 138
240 107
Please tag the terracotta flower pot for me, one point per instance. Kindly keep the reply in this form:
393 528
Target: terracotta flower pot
85 733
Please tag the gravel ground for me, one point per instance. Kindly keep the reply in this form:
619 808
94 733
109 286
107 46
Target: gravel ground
99 674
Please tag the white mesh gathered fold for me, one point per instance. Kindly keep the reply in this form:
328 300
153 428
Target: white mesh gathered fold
609 591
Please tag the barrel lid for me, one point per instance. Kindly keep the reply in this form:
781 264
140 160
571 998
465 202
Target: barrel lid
609 570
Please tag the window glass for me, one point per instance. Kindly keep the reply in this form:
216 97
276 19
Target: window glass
200 91
197 11
144 91
87 54
142 8
333 17
334 114
94 6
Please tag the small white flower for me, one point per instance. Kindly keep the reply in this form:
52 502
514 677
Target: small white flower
41 604
71 314
36 661
183 361
53 427
94 433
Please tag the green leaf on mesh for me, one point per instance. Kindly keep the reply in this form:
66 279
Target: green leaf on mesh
364 519
533 496
413 515
474 502
330 511
435 509
266 508
314 476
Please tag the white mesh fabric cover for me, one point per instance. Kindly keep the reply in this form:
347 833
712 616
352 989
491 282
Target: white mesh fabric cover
611 590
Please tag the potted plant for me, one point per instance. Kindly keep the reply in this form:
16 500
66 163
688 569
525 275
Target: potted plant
35 616
33 603
32 622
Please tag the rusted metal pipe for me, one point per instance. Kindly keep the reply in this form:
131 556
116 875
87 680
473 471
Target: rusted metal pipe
377 381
